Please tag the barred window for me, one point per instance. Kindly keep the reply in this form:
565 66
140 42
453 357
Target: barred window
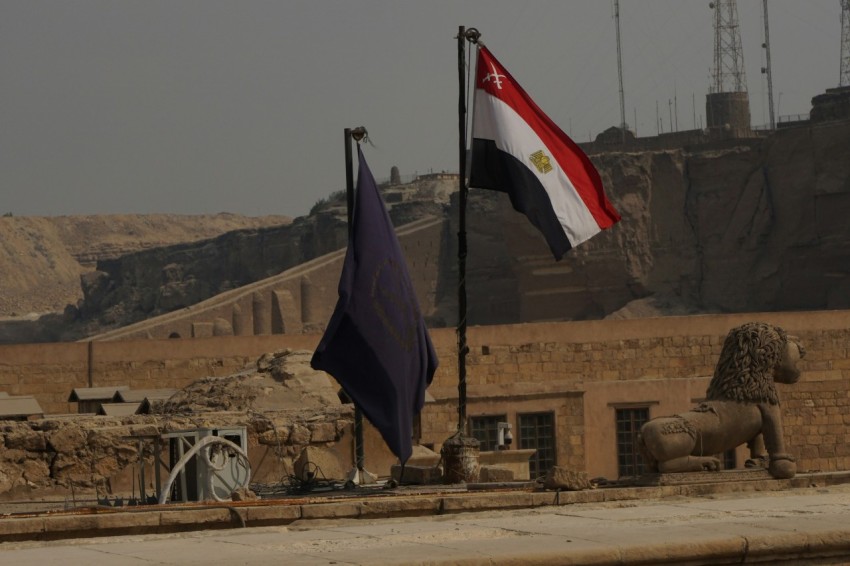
485 430
729 459
629 420
537 431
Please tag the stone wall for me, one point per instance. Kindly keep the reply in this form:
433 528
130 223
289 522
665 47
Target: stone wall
51 371
91 455
581 371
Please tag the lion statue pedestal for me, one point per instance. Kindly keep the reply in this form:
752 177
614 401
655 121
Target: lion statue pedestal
741 406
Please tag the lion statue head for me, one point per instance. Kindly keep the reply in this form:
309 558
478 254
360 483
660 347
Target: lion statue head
755 355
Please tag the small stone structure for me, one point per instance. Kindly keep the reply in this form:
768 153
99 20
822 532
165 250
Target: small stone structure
741 405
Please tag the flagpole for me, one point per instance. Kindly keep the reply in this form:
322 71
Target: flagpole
462 348
357 134
460 452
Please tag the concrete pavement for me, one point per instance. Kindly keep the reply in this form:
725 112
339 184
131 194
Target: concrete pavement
796 526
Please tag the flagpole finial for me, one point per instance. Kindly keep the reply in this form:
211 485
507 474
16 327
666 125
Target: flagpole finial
472 35
359 133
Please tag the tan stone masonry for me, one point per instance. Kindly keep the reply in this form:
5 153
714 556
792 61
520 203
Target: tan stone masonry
579 371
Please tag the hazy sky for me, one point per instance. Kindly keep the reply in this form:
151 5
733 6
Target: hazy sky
189 106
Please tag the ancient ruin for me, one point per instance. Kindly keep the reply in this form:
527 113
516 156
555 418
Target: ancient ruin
284 407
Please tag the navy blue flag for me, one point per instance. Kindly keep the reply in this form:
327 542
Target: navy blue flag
376 344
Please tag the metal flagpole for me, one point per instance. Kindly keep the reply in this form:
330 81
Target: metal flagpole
462 348
357 134
460 452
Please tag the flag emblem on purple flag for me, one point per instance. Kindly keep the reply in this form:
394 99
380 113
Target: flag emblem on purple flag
376 344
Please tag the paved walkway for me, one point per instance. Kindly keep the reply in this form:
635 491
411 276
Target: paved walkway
801 526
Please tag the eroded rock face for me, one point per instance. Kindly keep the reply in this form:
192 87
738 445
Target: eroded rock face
42 258
728 226
745 227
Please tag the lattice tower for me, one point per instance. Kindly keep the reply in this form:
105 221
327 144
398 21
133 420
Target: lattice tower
728 74
844 79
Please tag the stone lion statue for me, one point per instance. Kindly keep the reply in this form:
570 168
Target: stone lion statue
741 406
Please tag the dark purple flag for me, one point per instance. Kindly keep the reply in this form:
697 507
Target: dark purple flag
376 344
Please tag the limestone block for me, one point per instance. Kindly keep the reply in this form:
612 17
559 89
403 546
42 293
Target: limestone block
422 456
322 463
309 297
244 494
495 474
25 439
322 432
417 475
36 471
564 478
241 321
300 435
222 327
286 318
275 436
67 440
202 329
261 314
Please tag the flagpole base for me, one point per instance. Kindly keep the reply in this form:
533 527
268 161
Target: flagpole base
360 477
460 459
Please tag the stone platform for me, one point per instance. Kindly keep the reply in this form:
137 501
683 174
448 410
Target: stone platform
800 521
693 478
362 503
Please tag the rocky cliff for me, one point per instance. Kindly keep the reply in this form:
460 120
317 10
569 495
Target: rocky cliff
42 258
757 225
730 226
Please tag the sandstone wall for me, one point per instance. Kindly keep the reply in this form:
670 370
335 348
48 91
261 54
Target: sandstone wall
579 370
51 371
663 362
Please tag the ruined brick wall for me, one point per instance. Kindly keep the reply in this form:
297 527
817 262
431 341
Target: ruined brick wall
97 454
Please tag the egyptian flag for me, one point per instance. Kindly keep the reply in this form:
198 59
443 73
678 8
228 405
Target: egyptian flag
519 150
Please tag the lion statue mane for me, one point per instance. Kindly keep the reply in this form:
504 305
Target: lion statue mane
741 406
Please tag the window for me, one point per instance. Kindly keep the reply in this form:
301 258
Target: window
629 420
537 431
486 431
728 460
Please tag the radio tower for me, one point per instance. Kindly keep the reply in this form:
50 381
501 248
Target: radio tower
727 106
844 80
728 73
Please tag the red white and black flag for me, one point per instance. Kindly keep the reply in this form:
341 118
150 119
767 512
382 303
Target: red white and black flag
519 150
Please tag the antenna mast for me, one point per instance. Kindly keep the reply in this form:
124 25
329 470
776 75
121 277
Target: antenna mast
844 79
728 74
620 72
766 69
727 106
